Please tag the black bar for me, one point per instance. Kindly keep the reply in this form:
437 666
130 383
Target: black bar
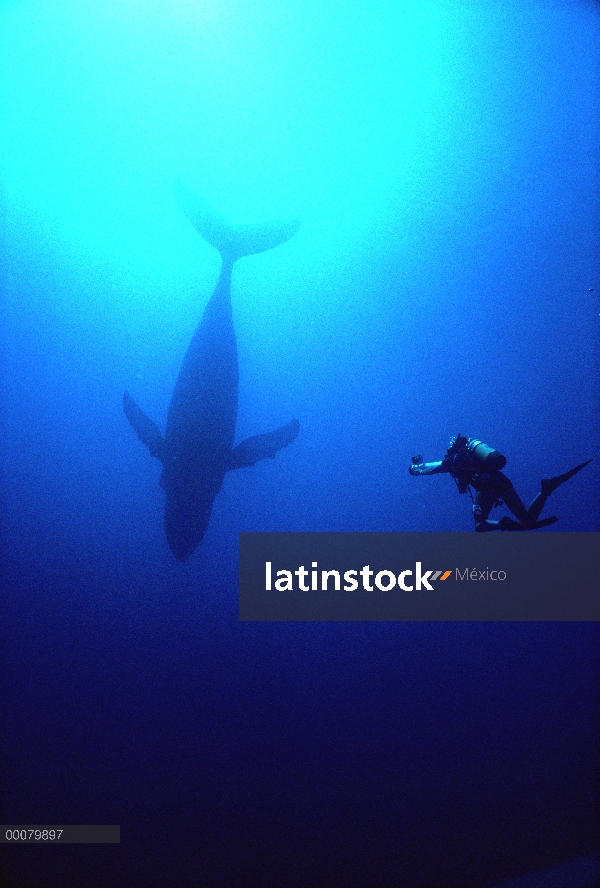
420 576
58 835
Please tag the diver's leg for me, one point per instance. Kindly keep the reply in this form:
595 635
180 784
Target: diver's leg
482 506
537 504
514 502
526 516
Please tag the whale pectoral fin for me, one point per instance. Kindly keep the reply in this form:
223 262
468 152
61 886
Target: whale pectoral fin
252 450
147 431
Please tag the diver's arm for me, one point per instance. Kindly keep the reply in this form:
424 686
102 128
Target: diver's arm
423 468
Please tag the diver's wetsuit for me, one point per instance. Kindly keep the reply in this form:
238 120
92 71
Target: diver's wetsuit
491 487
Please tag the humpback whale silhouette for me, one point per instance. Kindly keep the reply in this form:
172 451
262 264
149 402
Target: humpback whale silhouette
197 448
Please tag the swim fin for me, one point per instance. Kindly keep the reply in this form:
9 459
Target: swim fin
507 523
549 485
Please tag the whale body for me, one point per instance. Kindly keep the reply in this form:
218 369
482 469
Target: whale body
197 449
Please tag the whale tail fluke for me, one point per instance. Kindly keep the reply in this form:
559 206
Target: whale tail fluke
232 243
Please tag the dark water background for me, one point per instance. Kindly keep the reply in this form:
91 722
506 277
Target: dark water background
443 160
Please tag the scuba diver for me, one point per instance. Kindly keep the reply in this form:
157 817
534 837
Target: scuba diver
475 468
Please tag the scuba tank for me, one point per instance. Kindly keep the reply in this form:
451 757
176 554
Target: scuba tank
492 460
470 458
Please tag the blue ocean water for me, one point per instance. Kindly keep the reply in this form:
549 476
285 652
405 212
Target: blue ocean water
442 158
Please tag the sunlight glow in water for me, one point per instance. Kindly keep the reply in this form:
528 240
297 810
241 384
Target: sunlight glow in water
257 106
